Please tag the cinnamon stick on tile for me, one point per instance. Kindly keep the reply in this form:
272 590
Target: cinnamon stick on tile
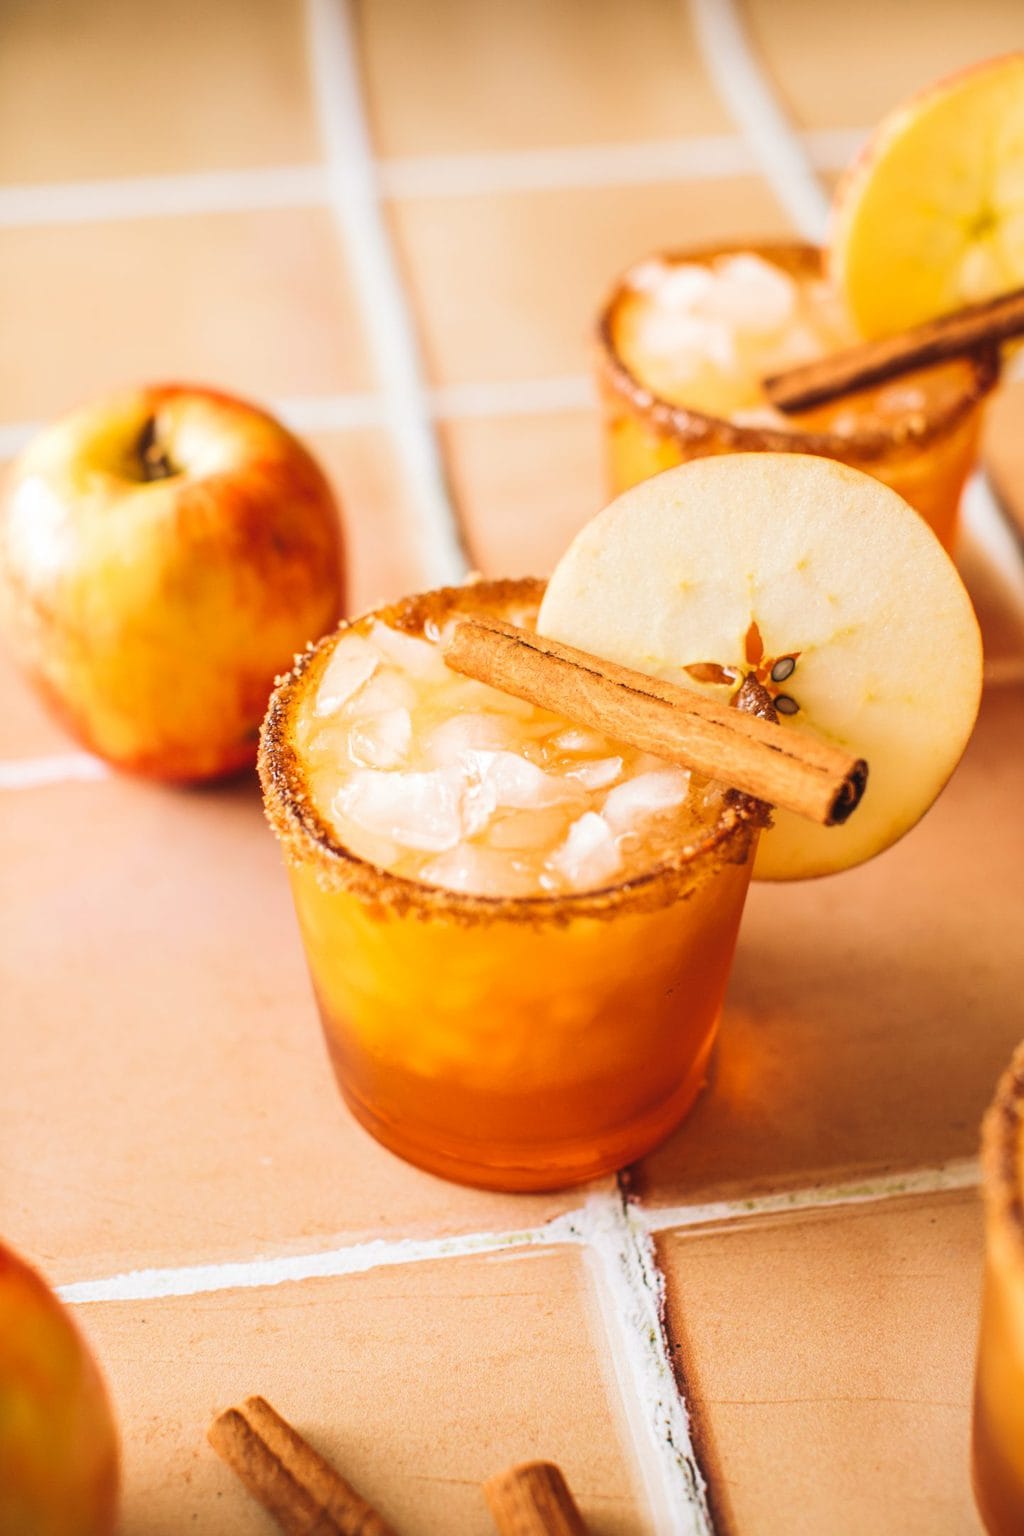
952 335
533 1499
786 767
295 1484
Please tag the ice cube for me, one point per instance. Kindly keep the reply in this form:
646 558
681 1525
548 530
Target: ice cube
589 856
760 416
845 423
365 845
468 694
644 796
596 775
386 690
381 741
750 294
463 733
417 810
516 783
685 287
576 739
479 872
684 340
647 276
528 831
408 652
353 662
801 344
901 398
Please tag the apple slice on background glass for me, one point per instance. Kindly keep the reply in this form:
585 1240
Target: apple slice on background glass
930 216
164 553
822 582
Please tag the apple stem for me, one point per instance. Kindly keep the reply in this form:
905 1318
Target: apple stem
156 465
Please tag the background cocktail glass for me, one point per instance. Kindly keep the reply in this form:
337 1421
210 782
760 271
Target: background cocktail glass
514 1043
924 452
998 1431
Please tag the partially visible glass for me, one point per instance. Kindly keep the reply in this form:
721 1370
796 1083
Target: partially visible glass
925 451
510 1042
998 1429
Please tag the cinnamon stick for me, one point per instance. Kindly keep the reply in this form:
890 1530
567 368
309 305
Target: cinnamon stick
785 767
291 1480
952 335
533 1499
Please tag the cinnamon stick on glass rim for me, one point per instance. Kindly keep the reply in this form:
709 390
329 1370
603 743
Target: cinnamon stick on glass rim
787 768
936 341
291 1480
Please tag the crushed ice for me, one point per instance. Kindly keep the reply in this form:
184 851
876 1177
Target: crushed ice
449 781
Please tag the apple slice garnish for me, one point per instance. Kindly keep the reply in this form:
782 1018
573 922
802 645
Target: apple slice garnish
822 583
930 216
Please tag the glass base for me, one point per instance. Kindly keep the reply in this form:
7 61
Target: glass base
534 1166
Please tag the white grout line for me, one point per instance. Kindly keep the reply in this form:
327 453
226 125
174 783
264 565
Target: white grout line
330 413
169 196
588 1224
960 1173
631 1294
616 1234
503 397
558 167
352 412
387 315
708 157
748 94
61 768
357 1259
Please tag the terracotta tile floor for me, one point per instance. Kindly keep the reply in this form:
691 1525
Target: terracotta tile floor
870 1014
844 66
438 79
413 1378
550 464
87 92
834 1357
227 299
172 1149
507 287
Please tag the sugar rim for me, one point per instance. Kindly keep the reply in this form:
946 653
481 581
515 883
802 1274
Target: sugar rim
1002 1132
307 838
693 426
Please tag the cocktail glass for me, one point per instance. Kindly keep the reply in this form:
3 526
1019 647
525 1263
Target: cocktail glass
510 1042
998 1431
924 449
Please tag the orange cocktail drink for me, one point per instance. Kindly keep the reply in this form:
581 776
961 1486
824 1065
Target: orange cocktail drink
685 339
998 1433
519 932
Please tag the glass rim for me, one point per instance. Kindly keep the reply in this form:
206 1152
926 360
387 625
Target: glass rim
307 839
691 426
1002 1135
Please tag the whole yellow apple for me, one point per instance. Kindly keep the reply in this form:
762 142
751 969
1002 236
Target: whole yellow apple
163 555
58 1442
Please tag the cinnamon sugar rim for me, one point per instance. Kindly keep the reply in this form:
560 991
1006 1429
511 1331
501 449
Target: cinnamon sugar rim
691 426
1001 1136
307 838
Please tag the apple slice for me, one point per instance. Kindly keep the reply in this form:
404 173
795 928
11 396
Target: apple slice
821 581
930 216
